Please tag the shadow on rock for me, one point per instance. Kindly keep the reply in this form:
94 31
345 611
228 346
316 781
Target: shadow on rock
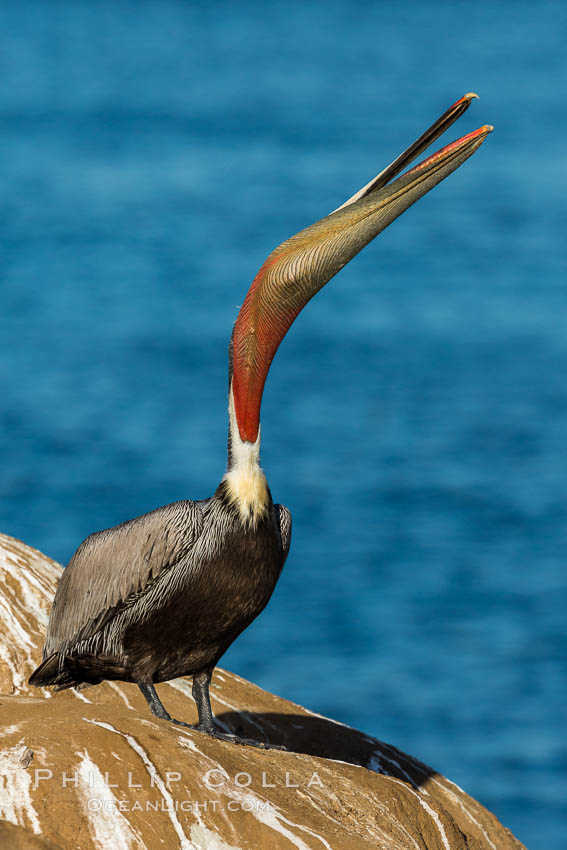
318 736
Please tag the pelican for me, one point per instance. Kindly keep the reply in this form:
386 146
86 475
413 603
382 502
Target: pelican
164 595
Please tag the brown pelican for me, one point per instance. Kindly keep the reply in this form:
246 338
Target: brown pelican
165 594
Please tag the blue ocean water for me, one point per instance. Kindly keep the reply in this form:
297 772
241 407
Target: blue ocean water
415 419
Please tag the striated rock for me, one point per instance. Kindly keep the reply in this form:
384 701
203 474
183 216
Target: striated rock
93 769
27 585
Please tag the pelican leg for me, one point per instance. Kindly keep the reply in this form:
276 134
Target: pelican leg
155 704
201 683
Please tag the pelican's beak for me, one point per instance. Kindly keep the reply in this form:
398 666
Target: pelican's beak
301 265
384 202
425 140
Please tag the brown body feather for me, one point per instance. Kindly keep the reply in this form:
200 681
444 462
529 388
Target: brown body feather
181 608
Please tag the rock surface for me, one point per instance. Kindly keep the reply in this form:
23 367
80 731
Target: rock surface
93 769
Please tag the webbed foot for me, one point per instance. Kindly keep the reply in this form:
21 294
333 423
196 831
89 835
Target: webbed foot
228 736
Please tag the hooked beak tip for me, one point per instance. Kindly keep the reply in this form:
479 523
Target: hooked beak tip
465 99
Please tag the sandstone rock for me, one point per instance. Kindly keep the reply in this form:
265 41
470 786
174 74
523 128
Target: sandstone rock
15 838
93 769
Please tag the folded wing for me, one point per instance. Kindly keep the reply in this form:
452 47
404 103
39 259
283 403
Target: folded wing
112 566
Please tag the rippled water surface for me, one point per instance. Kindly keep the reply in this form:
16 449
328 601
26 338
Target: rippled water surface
415 419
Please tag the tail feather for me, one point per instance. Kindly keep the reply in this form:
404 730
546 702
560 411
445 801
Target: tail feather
47 673
52 672
61 672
